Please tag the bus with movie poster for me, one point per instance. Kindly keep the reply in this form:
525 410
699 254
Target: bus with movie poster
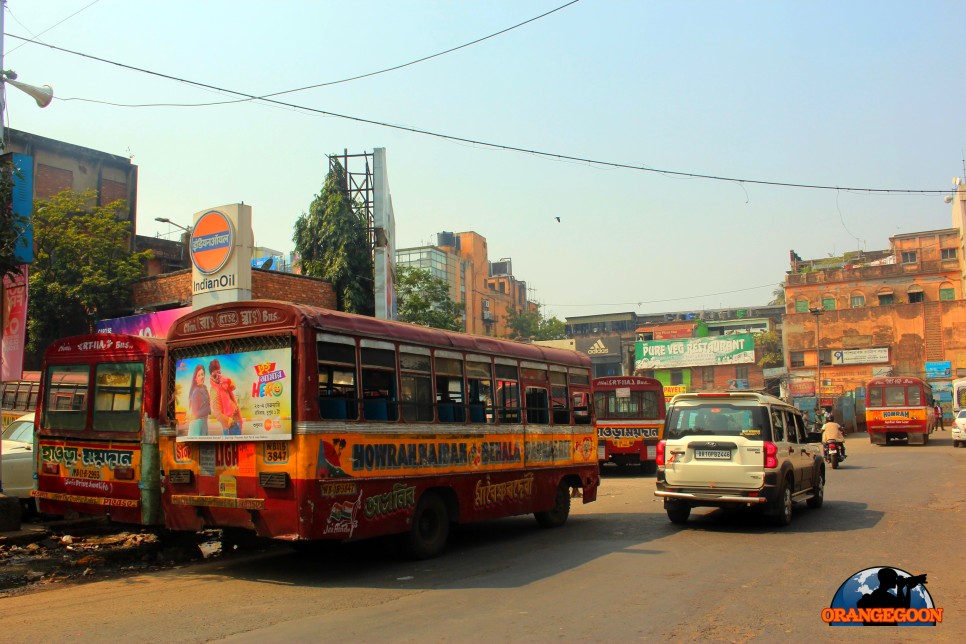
96 430
305 424
629 420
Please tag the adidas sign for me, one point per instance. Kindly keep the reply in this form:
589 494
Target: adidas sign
597 349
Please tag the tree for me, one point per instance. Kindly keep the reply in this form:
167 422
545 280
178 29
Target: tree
769 343
533 326
424 299
333 244
82 269
11 225
779 296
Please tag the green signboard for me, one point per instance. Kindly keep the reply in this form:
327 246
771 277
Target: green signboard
695 352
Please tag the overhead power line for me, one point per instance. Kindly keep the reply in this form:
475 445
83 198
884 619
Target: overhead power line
487 144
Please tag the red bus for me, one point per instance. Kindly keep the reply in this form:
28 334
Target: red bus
629 420
899 408
328 425
19 397
97 429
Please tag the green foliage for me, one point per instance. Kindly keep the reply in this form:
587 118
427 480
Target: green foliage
424 299
333 244
11 225
82 269
533 326
779 295
769 346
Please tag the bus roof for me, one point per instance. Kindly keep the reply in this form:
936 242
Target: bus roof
245 318
112 345
897 380
613 382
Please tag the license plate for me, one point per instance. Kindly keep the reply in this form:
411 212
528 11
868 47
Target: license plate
717 454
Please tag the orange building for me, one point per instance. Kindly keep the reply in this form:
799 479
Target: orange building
488 290
890 312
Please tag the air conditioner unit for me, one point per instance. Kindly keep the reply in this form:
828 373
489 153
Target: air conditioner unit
487 316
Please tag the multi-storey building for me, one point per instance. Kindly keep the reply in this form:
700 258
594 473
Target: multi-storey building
899 311
488 290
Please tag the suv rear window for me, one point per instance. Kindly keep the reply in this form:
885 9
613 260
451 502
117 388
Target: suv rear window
718 419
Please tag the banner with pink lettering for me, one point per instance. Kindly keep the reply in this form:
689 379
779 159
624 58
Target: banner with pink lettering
14 324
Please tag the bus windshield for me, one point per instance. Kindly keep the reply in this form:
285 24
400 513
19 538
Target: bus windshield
610 405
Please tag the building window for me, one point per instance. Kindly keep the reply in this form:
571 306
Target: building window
915 296
741 372
801 306
946 294
828 303
857 301
948 253
825 357
908 257
797 359
677 376
886 299
707 375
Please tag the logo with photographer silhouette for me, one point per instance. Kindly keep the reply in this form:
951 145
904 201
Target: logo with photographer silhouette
883 596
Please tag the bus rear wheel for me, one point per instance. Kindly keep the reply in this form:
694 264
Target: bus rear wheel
429 531
557 515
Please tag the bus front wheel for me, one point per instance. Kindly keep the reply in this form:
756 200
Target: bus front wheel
430 529
557 515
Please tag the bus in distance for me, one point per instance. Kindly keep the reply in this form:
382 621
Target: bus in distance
19 397
629 420
304 424
899 408
97 428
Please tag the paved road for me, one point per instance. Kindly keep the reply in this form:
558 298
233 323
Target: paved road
617 571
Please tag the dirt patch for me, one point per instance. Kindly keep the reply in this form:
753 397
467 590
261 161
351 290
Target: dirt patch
72 557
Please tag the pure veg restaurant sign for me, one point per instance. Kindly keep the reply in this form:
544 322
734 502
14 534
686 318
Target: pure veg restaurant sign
694 352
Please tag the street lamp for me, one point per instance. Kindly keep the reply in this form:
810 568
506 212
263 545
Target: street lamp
817 312
184 237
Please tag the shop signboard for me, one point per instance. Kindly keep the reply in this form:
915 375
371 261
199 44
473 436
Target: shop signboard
695 352
860 356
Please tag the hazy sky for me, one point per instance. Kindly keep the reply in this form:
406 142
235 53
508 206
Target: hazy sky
847 94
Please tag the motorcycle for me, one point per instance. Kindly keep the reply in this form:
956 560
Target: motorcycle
833 453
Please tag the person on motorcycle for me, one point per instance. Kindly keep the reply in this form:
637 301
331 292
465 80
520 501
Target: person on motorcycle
832 431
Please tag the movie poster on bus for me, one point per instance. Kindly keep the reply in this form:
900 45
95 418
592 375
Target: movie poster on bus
239 396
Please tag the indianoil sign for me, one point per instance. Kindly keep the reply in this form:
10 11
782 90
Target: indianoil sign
221 249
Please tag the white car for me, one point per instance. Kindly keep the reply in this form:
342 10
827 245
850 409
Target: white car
959 428
18 459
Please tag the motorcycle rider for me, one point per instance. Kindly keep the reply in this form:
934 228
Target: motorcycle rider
832 431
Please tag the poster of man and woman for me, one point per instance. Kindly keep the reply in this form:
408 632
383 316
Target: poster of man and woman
238 396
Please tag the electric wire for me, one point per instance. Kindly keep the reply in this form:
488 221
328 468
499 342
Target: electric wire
487 144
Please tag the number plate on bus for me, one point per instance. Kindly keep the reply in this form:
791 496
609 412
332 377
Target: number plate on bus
716 454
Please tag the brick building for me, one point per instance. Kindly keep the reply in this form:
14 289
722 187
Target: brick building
889 312
488 290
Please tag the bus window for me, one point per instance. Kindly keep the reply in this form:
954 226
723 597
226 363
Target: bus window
449 389
117 397
558 394
338 399
379 397
416 391
895 396
479 393
915 396
507 394
66 397
538 406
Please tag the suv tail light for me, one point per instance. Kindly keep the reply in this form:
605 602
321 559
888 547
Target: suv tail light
771 455
659 457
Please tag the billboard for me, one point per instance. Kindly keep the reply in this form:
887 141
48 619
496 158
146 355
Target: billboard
384 222
148 325
237 396
694 352
860 356
14 323
221 244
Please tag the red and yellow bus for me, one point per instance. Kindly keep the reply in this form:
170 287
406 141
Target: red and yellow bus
19 397
321 425
97 429
629 419
899 408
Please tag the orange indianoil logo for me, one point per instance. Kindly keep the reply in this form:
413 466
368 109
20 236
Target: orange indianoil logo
883 596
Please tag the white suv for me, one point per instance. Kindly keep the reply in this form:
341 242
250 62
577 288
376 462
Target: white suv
737 449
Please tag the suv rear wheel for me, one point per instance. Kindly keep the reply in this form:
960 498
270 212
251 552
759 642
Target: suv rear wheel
783 515
678 513
818 496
